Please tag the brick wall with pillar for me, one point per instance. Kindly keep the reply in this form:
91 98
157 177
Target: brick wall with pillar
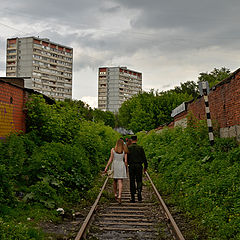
224 102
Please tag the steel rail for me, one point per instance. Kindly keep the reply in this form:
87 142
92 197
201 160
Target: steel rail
86 222
168 214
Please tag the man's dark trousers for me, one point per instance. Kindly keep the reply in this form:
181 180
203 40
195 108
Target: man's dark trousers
135 174
136 158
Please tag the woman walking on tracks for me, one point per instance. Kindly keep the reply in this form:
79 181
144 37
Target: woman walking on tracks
118 158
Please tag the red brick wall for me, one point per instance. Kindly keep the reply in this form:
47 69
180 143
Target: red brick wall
224 103
12 117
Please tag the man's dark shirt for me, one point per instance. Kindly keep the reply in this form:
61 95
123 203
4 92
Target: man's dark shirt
136 155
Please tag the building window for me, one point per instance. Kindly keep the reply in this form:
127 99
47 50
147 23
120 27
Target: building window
11 51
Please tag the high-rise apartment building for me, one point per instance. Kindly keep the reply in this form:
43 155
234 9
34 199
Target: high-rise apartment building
116 85
45 66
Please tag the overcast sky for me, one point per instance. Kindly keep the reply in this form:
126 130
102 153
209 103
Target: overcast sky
169 41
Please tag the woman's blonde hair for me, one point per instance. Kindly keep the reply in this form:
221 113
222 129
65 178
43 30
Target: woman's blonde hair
120 146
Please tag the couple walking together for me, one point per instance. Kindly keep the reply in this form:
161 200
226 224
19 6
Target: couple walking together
132 157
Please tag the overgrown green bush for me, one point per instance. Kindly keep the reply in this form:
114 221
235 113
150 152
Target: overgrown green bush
6 187
54 164
203 181
13 231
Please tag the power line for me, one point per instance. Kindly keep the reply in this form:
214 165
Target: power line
5 25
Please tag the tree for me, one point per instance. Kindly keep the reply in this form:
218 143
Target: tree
189 87
149 110
108 118
214 77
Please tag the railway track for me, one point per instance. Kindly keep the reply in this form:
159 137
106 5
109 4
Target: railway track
148 219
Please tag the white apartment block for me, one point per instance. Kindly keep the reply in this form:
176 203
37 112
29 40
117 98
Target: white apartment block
45 66
116 85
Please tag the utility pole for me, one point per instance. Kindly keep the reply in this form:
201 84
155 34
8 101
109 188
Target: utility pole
204 91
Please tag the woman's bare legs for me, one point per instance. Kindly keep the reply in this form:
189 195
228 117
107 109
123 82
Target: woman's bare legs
120 185
115 187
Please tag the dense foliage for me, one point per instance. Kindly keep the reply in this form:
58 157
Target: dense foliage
62 118
55 163
215 76
149 110
202 181
107 117
189 87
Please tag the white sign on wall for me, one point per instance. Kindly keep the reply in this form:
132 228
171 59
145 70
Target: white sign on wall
179 109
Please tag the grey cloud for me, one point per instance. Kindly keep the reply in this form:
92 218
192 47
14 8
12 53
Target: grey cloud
207 21
63 38
166 86
110 9
187 23
178 34
74 13
175 13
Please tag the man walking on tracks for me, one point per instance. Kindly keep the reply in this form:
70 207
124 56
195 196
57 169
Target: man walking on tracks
136 157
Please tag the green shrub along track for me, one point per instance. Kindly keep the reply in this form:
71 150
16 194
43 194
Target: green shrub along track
200 181
56 163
